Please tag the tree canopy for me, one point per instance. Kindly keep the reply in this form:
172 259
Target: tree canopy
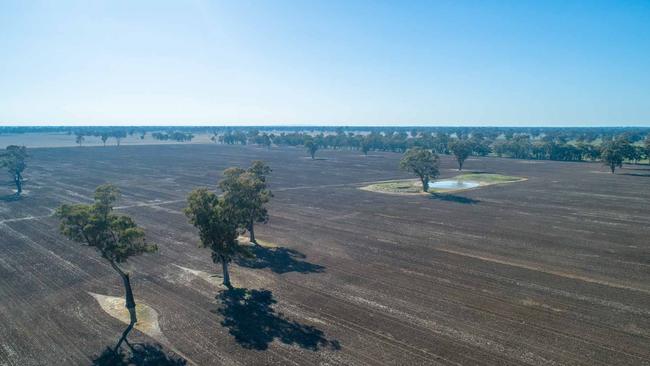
614 152
116 237
461 149
311 147
246 192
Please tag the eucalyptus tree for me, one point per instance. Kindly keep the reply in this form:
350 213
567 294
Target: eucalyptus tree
461 149
119 135
115 237
219 226
79 138
612 154
311 147
246 191
423 163
13 158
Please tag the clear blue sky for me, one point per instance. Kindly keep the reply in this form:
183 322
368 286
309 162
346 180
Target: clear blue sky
325 62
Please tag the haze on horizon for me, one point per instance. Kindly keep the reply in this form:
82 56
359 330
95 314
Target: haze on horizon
497 63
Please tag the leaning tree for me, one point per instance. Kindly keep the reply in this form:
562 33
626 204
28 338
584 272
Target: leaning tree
219 226
423 163
13 158
461 149
247 193
115 237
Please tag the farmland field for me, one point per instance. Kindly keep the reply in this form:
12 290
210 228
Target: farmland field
548 271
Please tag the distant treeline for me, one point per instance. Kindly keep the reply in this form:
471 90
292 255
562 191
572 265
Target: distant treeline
552 144
543 143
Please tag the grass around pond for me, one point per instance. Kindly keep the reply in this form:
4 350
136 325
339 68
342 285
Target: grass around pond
413 186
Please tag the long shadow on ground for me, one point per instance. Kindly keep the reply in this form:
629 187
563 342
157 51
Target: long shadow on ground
10 197
453 198
637 174
143 354
254 323
279 260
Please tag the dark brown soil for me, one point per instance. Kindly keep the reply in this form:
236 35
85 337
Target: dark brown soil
553 270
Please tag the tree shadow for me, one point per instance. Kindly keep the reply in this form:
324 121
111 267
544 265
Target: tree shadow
636 174
10 197
254 323
453 198
142 354
279 260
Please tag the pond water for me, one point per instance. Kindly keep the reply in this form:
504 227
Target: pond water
453 184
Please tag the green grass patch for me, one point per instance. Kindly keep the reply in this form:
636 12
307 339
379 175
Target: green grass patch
413 186
487 178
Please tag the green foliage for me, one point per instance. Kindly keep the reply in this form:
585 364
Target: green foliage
13 159
116 237
461 149
423 163
246 192
219 224
614 152
311 147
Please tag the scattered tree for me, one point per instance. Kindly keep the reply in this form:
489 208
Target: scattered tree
311 147
612 155
219 226
423 163
246 192
13 158
461 149
79 139
119 135
115 237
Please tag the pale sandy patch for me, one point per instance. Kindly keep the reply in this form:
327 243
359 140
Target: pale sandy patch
147 316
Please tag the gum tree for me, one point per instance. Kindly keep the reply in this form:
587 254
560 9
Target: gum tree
219 226
246 192
115 237
612 154
13 158
311 147
423 163
461 149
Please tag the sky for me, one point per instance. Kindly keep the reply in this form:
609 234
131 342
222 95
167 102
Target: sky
349 62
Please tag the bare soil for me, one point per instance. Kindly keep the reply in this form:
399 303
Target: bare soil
554 270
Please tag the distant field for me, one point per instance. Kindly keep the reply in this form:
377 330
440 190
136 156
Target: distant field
65 140
554 270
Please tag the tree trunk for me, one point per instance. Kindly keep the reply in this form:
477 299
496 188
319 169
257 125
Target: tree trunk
460 164
226 275
129 304
19 184
425 184
612 167
251 231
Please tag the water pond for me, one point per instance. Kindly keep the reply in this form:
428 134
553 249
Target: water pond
453 184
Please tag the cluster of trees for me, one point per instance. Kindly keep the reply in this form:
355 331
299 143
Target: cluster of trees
220 219
104 135
173 136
